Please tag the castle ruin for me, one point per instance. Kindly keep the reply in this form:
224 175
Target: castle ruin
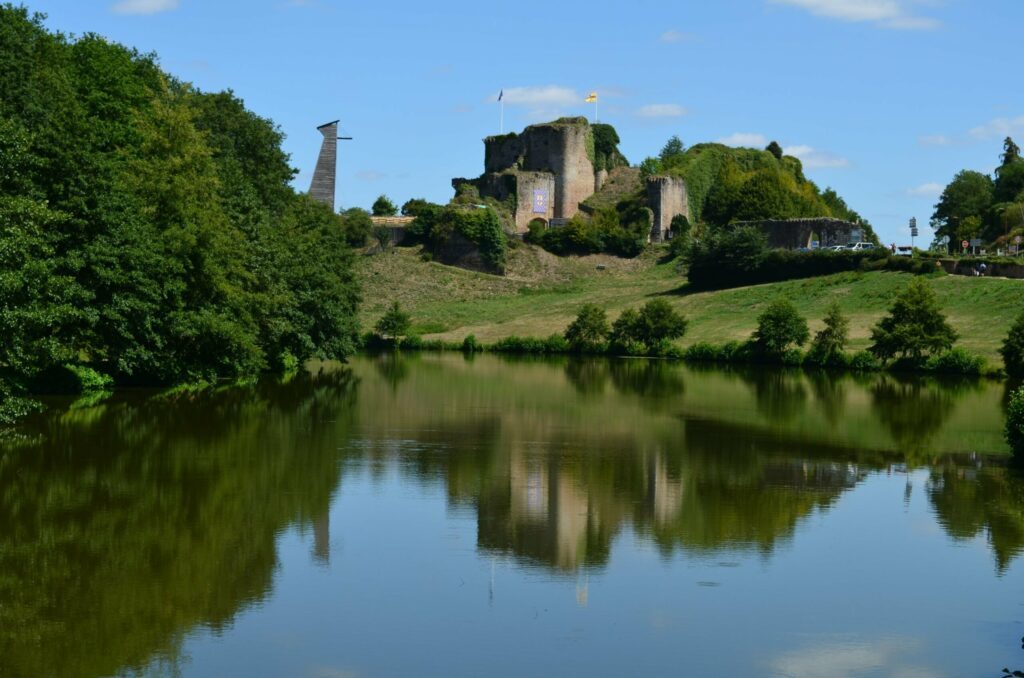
549 170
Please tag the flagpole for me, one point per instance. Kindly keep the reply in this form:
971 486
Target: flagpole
501 125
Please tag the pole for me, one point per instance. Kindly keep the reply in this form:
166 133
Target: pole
501 125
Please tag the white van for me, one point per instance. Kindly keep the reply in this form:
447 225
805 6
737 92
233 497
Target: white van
861 247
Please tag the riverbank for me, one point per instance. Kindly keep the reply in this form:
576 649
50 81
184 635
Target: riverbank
541 294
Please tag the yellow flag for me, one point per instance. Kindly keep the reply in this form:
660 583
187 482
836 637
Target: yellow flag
592 99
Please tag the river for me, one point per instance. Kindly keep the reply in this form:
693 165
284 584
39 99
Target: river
441 515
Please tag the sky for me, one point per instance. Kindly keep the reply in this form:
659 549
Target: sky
883 100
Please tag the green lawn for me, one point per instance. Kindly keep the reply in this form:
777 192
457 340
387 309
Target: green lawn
541 294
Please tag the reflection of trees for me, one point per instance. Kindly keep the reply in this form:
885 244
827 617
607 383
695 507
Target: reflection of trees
972 500
134 522
914 408
656 378
780 394
829 392
587 375
393 366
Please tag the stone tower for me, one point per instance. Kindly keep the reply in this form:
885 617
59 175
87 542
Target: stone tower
322 187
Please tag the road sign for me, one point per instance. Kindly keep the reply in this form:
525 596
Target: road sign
944 240
965 244
1017 240
976 242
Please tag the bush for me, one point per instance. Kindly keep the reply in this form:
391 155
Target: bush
914 328
778 327
703 352
956 361
864 361
479 226
1015 423
471 345
587 333
1013 349
645 331
357 226
622 231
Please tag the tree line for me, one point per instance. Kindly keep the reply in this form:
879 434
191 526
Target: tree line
148 231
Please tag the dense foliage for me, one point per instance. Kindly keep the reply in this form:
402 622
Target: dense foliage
606 148
830 342
1012 349
394 324
383 207
647 331
148 229
727 184
915 328
622 231
435 226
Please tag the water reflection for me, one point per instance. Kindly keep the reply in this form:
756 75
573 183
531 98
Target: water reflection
126 524
137 520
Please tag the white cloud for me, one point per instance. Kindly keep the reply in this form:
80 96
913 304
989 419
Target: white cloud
928 190
672 35
745 140
661 111
935 140
370 175
894 14
1000 127
143 6
813 158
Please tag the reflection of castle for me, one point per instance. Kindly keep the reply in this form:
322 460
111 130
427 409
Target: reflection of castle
552 516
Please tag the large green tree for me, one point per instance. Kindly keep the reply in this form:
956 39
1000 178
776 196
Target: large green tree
970 194
914 328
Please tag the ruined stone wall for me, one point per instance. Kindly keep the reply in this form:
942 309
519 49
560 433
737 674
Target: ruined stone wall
527 183
514 165
793 234
667 197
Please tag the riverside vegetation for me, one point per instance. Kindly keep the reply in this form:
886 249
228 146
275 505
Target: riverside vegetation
148 232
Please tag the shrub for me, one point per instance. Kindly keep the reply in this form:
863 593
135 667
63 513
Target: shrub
703 352
655 323
914 328
1015 423
588 331
471 345
956 361
779 326
827 347
864 361
357 226
1013 349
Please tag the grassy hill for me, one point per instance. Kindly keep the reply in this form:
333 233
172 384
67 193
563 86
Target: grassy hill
541 294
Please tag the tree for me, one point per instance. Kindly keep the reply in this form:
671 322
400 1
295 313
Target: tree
1011 152
383 207
1009 185
394 324
779 326
914 328
589 330
828 344
672 151
969 194
1012 349
650 167
650 328
775 150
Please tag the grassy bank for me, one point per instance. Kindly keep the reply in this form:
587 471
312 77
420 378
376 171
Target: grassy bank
541 294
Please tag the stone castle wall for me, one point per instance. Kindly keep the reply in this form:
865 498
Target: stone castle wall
667 197
793 234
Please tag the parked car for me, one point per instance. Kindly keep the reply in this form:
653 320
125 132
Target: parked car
904 251
861 247
836 248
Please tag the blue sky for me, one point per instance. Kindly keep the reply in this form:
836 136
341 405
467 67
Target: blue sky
884 100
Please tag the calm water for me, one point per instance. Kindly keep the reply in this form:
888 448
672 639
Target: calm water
436 515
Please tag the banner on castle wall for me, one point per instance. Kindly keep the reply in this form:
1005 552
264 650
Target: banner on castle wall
540 201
